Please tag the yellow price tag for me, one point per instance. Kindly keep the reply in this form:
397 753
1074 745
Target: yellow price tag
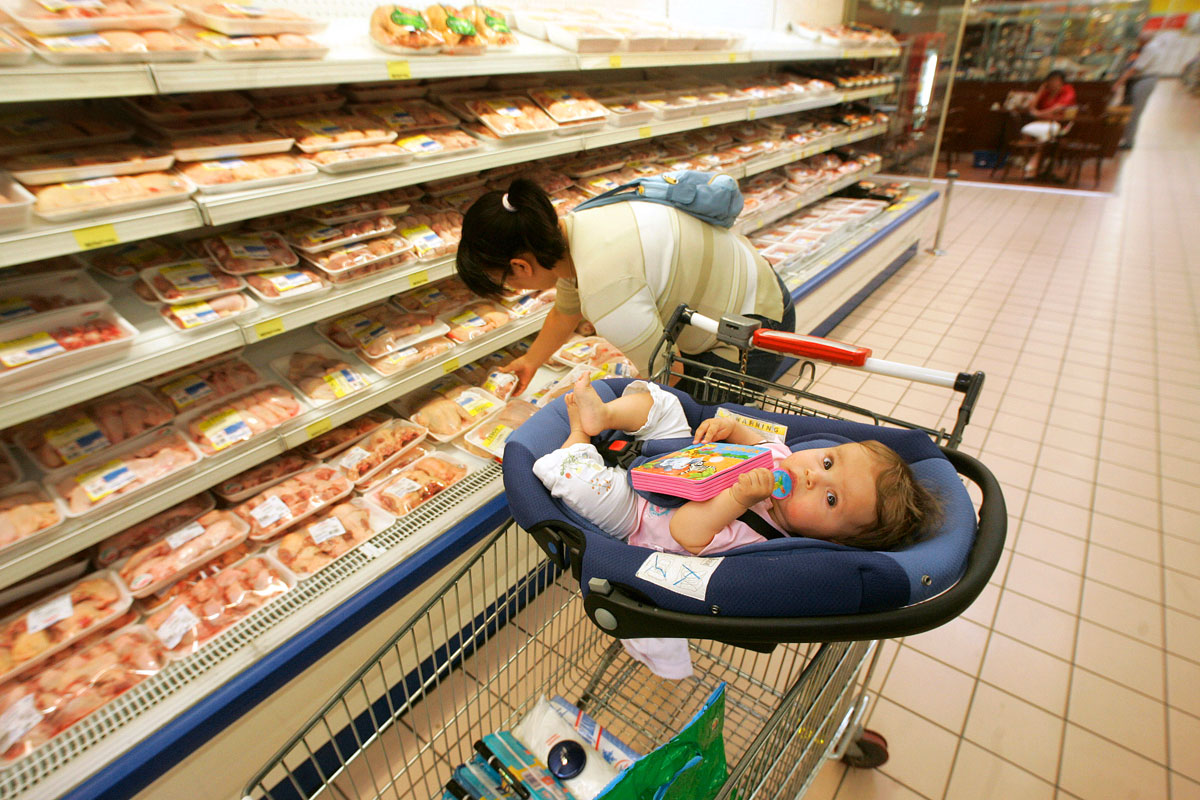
399 70
450 365
418 279
645 132
614 61
733 58
319 427
705 121
272 327
752 113
96 236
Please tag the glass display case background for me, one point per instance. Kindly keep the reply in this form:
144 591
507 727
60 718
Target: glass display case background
928 33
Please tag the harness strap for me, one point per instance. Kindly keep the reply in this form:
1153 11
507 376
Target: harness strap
761 526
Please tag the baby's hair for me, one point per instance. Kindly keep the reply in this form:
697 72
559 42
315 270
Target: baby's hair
903 507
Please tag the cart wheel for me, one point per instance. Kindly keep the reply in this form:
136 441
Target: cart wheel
869 751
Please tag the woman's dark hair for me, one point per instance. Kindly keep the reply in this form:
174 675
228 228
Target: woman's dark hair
1057 73
492 235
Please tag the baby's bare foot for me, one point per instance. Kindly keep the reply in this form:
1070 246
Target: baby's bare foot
573 413
593 417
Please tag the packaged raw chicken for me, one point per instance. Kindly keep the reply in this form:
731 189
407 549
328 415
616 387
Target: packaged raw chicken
260 47
245 252
286 285
323 539
456 29
408 458
320 375
457 202
232 144
195 314
448 415
29 296
122 471
74 433
378 449
341 437
359 254
133 538
56 18
36 169
403 29
191 280
113 46
13 51
410 356
352 159
598 184
262 476
26 509
34 130
174 555
237 19
240 418
214 604
366 270
182 586
412 486
279 507
237 174
333 131
500 384
297 100
487 440
437 142
42 346
491 26
381 329
206 384
511 116
435 298
125 261
38 631
564 202
311 237
62 202
406 116
528 303
350 210
475 320
590 350
73 684
432 235
568 105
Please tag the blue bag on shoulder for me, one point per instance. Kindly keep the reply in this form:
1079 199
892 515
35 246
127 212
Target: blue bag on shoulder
715 199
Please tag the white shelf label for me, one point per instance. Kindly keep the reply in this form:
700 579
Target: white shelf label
20 718
172 631
48 613
184 535
270 511
326 529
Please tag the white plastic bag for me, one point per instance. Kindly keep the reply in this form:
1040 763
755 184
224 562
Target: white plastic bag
542 728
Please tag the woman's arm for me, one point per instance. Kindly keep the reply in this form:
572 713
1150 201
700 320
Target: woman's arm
696 523
554 333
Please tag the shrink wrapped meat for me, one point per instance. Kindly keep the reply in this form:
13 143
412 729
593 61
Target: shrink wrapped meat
382 329
206 384
410 356
159 598
233 171
314 237
416 484
320 375
448 415
333 131
241 418
456 29
567 105
262 476
436 142
191 280
360 254
285 285
230 144
377 450
99 195
475 320
355 158
359 207
299 497
406 116
125 543
491 26
487 440
198 313
311 547
341 437
125 261
246 252
511 116
160 562
25 509
299 100
590 350
435 298
403 28
125 469
432 235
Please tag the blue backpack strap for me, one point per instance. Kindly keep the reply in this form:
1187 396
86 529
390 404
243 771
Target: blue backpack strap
713 198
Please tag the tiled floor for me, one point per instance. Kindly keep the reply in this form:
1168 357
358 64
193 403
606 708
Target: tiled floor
1077 672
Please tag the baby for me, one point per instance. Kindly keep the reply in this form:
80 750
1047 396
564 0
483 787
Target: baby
861 494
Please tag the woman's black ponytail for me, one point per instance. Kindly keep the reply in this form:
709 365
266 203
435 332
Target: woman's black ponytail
500 226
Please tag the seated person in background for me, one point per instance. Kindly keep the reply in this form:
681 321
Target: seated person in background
1051 106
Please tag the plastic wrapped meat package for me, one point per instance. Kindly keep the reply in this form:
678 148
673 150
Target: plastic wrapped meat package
590 350
529 303
455 183
239 19
511 116
387 263
192 106
122 471
240 418
568 105
123 544
58 18
190 280
432 235
359 254
46 627
380 448
61 202
232 144
245 252
13 51
37 169
350 210
261 47
45 346
195 314
403 29
351 159
72 434
583 37
286 285
203 385
161 562
459 36
382 329
297 101
408 115
31 131
410 356
113 47
316 237
212 605
299 497
487 440
437 142
28 296
414 485
125 261
262 476
565 201
448 415
435 298
323 539
251 172
26 509
74 683
475 320
183 586
320 375
335 441
333 131
598 184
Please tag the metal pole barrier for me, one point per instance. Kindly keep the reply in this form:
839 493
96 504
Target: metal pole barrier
936 250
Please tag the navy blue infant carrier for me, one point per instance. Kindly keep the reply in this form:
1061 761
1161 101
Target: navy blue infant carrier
787 589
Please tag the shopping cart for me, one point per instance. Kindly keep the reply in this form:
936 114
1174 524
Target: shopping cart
508 627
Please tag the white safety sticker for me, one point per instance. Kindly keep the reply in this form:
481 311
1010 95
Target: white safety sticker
685 575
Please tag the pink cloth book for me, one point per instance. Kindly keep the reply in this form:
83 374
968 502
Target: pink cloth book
699 471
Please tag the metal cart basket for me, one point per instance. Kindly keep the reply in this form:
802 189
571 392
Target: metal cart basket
509 626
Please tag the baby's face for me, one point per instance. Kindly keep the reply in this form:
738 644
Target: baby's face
833 492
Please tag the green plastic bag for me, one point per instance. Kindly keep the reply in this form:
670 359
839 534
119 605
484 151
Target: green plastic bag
691 766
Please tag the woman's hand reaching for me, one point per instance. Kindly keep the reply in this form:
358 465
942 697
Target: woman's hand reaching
524 368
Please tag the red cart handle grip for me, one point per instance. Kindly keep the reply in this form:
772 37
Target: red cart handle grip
798 344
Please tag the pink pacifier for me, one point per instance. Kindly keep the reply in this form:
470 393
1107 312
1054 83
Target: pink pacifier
783 484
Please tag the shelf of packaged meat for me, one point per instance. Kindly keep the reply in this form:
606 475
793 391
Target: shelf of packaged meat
768 162
27 557
763 217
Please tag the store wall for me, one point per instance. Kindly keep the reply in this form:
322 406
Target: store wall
772 14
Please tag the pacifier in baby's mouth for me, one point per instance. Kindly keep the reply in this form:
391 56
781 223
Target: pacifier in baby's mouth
783 484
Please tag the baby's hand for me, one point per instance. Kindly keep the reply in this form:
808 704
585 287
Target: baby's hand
753 487
715 429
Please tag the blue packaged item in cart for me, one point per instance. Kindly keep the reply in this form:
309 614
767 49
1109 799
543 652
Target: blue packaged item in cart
611 749
521 765
480 781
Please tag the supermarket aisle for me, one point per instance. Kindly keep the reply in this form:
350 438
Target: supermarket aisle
1077 673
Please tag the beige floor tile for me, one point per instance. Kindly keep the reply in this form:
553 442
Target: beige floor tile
1179 493
959 643
1185 738
1183 788
1066 461
1065 488
929 688
1134 575
1057 515
1182 523
1127 479
1026 672
983 610
887 655
1119 658
1044 582
920 753
1052 547
1181 555
869 784
1183 592
1036 624
1123 505
1012 447
1064 440
1125 445
981 775
827 782
1017 731
1183 634
1124 536
1183 685
1118 714
1096 769
1123 612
